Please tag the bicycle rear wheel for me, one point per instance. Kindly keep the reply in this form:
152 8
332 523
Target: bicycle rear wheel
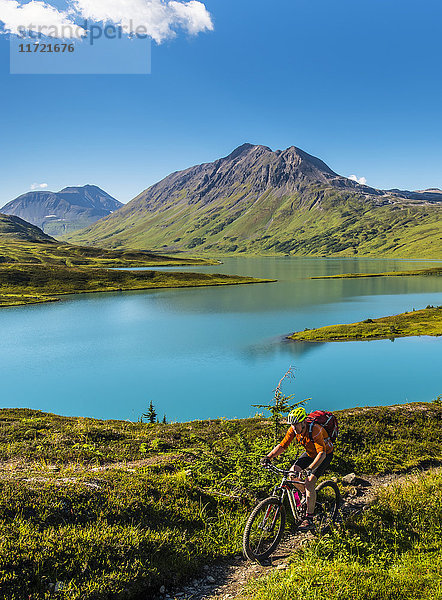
328 498
264 529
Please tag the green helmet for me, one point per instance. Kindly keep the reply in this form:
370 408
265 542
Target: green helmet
297 415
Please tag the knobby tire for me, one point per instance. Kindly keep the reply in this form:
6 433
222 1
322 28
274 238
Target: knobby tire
264 529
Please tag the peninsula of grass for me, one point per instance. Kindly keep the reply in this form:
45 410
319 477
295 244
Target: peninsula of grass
432 271
100 510
56 253
23 284
427 321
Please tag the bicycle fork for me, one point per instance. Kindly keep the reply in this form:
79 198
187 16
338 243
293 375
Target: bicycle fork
266 516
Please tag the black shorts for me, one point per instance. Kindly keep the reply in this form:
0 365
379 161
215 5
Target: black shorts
304 461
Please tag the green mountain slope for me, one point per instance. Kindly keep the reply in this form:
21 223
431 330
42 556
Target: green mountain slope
14 229
23 243
259 201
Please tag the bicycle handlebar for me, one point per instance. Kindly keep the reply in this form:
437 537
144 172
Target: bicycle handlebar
270 467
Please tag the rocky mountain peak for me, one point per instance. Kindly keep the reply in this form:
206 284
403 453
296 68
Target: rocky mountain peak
69 209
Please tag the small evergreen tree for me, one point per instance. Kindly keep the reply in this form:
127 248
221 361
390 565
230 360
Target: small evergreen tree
280 404
151 414
164 420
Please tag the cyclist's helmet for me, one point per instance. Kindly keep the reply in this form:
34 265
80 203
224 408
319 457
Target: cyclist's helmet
296 416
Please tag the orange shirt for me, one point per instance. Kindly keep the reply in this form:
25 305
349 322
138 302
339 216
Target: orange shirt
321 442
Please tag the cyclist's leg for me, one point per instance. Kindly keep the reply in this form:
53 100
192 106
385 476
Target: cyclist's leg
302 463
310 483
310 493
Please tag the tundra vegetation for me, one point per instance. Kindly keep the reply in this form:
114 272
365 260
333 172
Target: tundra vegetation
393 551
23 284
115 509
32 272
430 271
427 321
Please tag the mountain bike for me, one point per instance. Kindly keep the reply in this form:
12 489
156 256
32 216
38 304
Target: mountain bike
265 526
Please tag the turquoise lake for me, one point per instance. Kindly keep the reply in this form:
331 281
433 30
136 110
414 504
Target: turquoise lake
213 352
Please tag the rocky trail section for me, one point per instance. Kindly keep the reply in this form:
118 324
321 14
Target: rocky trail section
226 580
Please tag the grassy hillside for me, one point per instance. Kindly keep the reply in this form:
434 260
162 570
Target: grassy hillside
20 283
319 221
392 552
114 509
15 229
427 321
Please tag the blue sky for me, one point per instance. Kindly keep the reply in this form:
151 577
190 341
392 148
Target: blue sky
356 83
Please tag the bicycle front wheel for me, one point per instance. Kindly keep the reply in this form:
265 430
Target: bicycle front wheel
328 499
264 529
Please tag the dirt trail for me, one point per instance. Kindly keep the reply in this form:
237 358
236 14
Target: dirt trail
225 580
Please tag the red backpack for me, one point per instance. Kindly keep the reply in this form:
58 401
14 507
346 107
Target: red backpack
327 420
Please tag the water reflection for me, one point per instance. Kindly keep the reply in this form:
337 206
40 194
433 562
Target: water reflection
282 347
294 288
207 352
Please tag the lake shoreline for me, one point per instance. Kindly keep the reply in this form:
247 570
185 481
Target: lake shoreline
424 322
434 271
22 300
228 340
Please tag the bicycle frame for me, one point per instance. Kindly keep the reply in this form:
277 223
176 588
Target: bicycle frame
287 488
264 528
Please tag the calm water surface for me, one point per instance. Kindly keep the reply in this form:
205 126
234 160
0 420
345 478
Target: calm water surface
209 352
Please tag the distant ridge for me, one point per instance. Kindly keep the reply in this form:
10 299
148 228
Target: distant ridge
57 213
260 201
16 229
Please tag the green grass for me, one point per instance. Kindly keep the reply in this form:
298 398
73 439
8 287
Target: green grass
13 251
33 283
114 509
22 299
431 271
427 321
392 552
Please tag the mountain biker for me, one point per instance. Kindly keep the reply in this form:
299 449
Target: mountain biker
315 460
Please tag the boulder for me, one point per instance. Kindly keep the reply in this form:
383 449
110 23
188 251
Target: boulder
349 479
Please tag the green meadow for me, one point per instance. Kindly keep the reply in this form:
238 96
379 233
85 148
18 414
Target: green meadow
115 509
20 283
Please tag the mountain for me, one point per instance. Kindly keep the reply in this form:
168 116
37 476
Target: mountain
65 211
14 229
259 201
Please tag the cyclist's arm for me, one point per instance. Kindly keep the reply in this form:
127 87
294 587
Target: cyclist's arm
319 458
277 450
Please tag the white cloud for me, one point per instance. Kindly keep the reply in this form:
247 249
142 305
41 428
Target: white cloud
38 17
39 186
193 16
360 180
156 18
159 19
